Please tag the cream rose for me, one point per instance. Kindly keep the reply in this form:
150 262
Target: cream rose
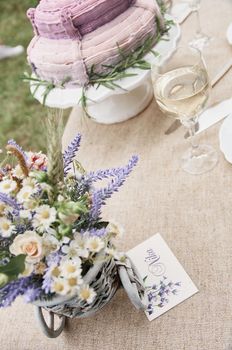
30 244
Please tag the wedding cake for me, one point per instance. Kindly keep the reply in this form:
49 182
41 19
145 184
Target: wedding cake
73 37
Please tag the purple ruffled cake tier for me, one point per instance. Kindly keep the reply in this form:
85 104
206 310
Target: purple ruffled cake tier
67 19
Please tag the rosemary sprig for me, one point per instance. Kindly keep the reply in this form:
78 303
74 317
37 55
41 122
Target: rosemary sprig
49 86
83 101
134 59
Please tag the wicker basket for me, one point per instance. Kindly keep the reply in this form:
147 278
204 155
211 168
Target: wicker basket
105 278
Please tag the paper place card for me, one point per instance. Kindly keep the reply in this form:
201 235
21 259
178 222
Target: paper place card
167 283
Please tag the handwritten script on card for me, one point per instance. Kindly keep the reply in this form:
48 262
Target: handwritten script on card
167 283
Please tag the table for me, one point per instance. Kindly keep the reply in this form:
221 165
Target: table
193 214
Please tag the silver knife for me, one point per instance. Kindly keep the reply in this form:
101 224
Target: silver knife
176 124
213 115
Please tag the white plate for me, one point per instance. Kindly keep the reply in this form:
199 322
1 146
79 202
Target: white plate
229 34
225 138
66 98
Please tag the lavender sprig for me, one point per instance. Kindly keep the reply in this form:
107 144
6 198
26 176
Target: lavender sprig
19 149
32 294
70 153
99 196
97 232
18 287
94 176
9 201
52 260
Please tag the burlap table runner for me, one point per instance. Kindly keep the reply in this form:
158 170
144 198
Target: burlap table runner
193 213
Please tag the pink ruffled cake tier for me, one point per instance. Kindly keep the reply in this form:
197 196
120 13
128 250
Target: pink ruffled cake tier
69 59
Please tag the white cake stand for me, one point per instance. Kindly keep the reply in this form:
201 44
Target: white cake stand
113 106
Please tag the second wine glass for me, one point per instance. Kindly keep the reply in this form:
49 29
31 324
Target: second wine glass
200 40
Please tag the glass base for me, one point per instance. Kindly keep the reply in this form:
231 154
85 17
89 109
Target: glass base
200 41
200 160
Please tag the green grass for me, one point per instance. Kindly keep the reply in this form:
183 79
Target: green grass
21 117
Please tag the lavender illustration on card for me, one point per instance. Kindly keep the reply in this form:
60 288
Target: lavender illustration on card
159 294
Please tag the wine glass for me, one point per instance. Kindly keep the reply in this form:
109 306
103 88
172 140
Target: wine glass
200 39
181 88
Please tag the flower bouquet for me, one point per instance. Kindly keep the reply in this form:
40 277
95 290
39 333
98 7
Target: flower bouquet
55 250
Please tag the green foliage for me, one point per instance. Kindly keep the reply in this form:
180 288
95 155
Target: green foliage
12 269
20 114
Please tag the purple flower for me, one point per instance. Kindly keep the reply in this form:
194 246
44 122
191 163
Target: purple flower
32 294
101 174
70 153
9 201
52 260
16 288
97 232
20 150
99 196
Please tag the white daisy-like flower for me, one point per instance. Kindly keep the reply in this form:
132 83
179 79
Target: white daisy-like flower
54 271
6 227
70 268
50 242
17 172
60 286
44 217
86 293
94 244
24 194
70 250
25 214
75 283
8 186
29 181
45 187
30 204
60 198
115 229
65 240
76 248
112 252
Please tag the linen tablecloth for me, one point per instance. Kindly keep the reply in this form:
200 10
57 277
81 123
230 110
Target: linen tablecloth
193 214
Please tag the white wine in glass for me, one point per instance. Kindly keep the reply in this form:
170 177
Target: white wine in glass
181 89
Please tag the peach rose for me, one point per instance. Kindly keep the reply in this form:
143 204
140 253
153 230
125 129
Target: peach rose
30 244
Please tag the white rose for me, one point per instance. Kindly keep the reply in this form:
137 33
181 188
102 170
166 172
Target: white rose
30 244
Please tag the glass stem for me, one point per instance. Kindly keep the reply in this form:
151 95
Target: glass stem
198 30
192 135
